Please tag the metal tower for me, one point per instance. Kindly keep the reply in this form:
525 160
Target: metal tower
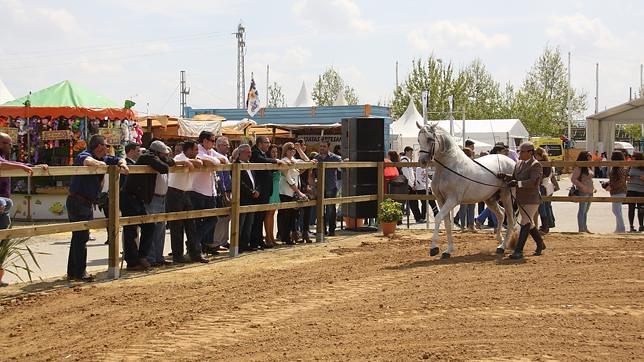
241 51
183 92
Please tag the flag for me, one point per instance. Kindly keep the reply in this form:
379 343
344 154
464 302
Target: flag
252 101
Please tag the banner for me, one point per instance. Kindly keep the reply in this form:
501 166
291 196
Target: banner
112 135
56 135
252 101
188 128
12 132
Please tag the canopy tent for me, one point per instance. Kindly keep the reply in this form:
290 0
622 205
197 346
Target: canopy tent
339 99
304 98
65 99
600 127
5 95
509 131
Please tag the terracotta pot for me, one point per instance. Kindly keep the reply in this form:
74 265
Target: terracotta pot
1 274
352 223
388 228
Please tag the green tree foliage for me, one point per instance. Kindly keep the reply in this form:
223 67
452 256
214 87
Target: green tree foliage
328 86
634 131
276 97
542 101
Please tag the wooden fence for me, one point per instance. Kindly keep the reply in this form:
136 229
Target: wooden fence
114 222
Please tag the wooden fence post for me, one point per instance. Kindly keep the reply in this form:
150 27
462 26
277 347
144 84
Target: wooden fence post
113 223
319 204
381 182
234 211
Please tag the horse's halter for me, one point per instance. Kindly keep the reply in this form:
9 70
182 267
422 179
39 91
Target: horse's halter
432 148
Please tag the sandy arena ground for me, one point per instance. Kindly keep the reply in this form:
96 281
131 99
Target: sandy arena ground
359 297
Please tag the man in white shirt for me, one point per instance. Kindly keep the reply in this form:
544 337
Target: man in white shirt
178 199
410 174
204 189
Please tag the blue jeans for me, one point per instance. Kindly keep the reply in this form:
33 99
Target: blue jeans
582 214
78 210
485 215
330 212
157 206
205 225
5 219
619 218
465 215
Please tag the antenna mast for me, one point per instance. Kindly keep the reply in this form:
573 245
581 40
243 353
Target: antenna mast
241 51
183 93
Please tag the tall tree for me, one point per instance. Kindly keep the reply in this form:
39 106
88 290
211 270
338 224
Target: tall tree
276 97
329 86
542 101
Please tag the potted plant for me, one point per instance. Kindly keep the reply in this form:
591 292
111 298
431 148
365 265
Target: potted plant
14 254
389 213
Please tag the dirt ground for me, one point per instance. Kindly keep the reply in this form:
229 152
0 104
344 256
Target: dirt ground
359 297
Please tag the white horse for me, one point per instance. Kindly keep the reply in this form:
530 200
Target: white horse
461 180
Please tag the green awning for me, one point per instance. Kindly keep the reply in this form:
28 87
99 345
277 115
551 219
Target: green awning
65 94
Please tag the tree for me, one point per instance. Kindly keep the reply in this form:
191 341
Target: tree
328 87
542 101
275 96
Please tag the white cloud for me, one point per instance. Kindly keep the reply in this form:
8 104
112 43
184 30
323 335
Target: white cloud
446 33
578 29
335 16
45 18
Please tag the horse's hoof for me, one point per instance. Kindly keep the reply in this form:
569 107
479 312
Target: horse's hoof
445 255
500 251
434 251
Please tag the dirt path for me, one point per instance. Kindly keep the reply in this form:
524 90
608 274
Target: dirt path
359 297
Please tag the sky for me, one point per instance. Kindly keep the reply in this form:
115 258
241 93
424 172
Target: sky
135 50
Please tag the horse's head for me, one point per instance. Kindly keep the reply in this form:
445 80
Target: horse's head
428 139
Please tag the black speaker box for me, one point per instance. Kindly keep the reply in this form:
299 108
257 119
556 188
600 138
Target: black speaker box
363 139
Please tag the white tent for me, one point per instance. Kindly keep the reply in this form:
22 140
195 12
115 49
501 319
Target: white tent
304 98
485 133
5 95
339 99
509 131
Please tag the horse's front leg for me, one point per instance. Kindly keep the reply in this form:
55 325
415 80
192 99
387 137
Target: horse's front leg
443 214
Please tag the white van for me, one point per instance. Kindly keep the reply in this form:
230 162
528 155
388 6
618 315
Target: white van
624 147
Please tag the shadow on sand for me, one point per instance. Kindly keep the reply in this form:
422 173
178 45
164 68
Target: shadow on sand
463 259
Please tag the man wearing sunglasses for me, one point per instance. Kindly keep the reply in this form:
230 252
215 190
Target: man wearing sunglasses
83 191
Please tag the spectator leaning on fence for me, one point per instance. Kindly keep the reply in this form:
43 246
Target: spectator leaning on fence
204 189
178 199
582 179
263 184
5 182
139 191
248 195
330 185
616 185
83 191
635 188
224 188
156 205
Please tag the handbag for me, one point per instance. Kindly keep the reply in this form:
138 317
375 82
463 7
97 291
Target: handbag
574 191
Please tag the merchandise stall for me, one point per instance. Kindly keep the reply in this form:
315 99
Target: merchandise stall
51 127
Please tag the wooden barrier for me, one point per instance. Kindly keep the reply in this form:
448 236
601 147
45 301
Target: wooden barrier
113 223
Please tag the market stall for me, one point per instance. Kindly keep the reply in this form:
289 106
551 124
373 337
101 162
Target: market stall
51 126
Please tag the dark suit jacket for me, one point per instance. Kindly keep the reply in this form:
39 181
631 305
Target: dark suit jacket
530 174
246 188
263 178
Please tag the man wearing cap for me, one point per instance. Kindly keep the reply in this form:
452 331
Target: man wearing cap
139 191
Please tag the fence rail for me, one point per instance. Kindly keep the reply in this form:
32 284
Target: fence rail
114 222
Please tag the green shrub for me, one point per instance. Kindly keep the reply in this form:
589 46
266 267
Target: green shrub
390 211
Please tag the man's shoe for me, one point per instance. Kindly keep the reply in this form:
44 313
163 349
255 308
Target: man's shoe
144 263
200 259
179 260
331 233
88 278
516 256
137 267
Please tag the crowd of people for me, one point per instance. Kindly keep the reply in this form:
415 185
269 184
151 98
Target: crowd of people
146 194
